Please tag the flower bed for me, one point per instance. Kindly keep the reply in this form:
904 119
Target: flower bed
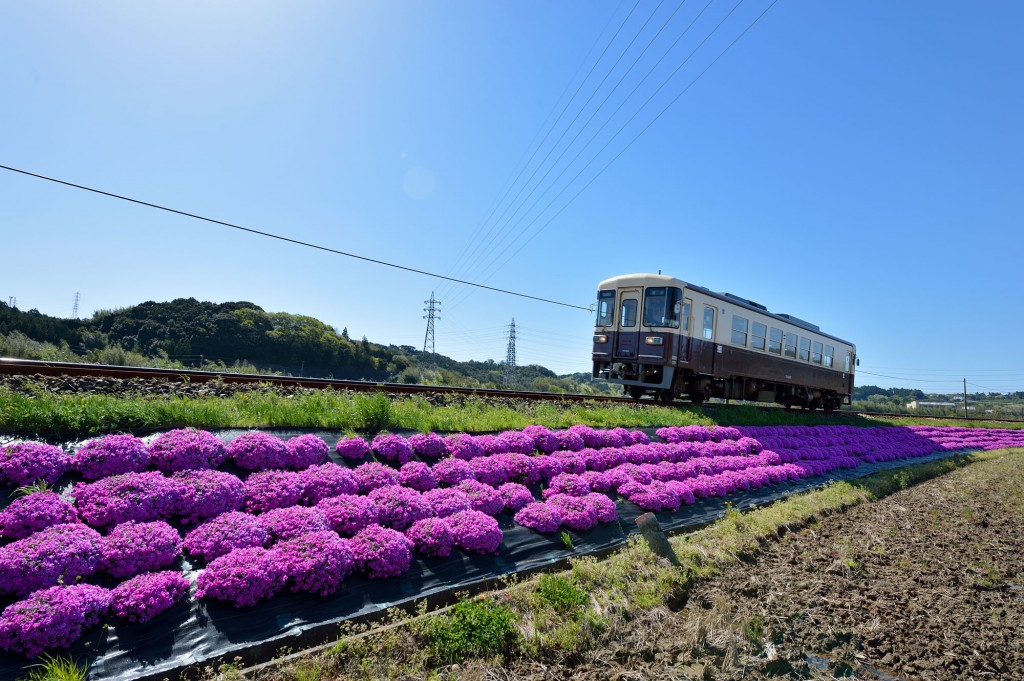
443 492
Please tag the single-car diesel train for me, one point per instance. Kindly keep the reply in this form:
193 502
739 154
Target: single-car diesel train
659 335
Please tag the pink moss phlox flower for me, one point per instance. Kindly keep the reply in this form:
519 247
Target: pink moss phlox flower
452 471
602 459
568 462
33 512
59 554
225 533
186 449
548 466
544 440
348 514
429 445
567 483
205 494
577 513
316 562
242 577
381 552
617 437
489 469
654 496
111 455
515 496
475 532
492 444
676 434
132 548
393 448
145 596
417 475
682 490
371 475
24 463
267 490
539 516
445 501
591 438
639 437
257 451
570 440
305 451
51 618
432 537
597 481
399 507
354 448
606 510
484 498
130 496
282 524
518 442
325 481
463 446
519 468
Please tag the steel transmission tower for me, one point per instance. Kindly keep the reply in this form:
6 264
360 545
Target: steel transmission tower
74 308
509 379
433 310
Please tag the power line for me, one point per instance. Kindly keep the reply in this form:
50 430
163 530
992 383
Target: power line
290 240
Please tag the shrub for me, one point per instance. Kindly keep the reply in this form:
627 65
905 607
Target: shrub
111 455
58 554
132 548
257 451
242 577
35 512
473 628
305 451
186 449
26 462
131 496
225 533
145 596
52 618
561 593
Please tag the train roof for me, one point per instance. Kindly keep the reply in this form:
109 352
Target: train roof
665 280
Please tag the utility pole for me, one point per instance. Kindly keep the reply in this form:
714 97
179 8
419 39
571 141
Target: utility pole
433 310
965 398
74 308
509 378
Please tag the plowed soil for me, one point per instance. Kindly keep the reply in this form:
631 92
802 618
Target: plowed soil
927 583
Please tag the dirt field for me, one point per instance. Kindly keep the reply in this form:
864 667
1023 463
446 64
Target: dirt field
927 583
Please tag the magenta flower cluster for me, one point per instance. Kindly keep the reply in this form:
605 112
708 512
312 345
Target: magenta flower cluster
24 463
56 555
305 451
51 618
33 512
257 451
185 449
203 494
225 533
432 537
132 548
242 577
475 532
381 552
392 447
353 448
316 562
111 455
145 596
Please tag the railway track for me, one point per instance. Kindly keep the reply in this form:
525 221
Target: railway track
27 367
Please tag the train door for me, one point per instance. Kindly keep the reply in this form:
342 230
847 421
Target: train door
705 355
628 338
682 351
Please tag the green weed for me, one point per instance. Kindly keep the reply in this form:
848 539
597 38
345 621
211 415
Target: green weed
58 668
473 628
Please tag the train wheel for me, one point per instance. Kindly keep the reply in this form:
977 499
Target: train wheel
636 392
666 396
698 397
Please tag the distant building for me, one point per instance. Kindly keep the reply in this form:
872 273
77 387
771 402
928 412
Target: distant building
916 404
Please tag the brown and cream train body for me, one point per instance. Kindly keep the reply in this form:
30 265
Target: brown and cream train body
659 335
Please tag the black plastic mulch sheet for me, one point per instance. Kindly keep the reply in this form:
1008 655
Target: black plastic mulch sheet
194 632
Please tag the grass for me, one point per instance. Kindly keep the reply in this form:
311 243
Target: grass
60 418
616 602
59 668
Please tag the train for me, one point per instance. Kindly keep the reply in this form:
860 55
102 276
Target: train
661 336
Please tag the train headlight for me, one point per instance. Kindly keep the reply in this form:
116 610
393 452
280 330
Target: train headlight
600 338
654 340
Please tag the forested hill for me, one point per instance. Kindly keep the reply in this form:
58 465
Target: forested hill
243 336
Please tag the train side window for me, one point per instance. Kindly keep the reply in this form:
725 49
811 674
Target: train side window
805 349
816 352
709 323
790 345
829 353
605 308
687 304
775 340
757 335
628 315
739 331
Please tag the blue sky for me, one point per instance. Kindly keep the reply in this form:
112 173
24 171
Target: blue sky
858 165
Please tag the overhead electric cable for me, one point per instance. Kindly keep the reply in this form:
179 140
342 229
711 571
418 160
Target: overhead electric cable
290 240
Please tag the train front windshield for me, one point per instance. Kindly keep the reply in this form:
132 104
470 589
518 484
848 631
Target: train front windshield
661 306
605 308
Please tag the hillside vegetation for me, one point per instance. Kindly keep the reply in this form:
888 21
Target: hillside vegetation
241 336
